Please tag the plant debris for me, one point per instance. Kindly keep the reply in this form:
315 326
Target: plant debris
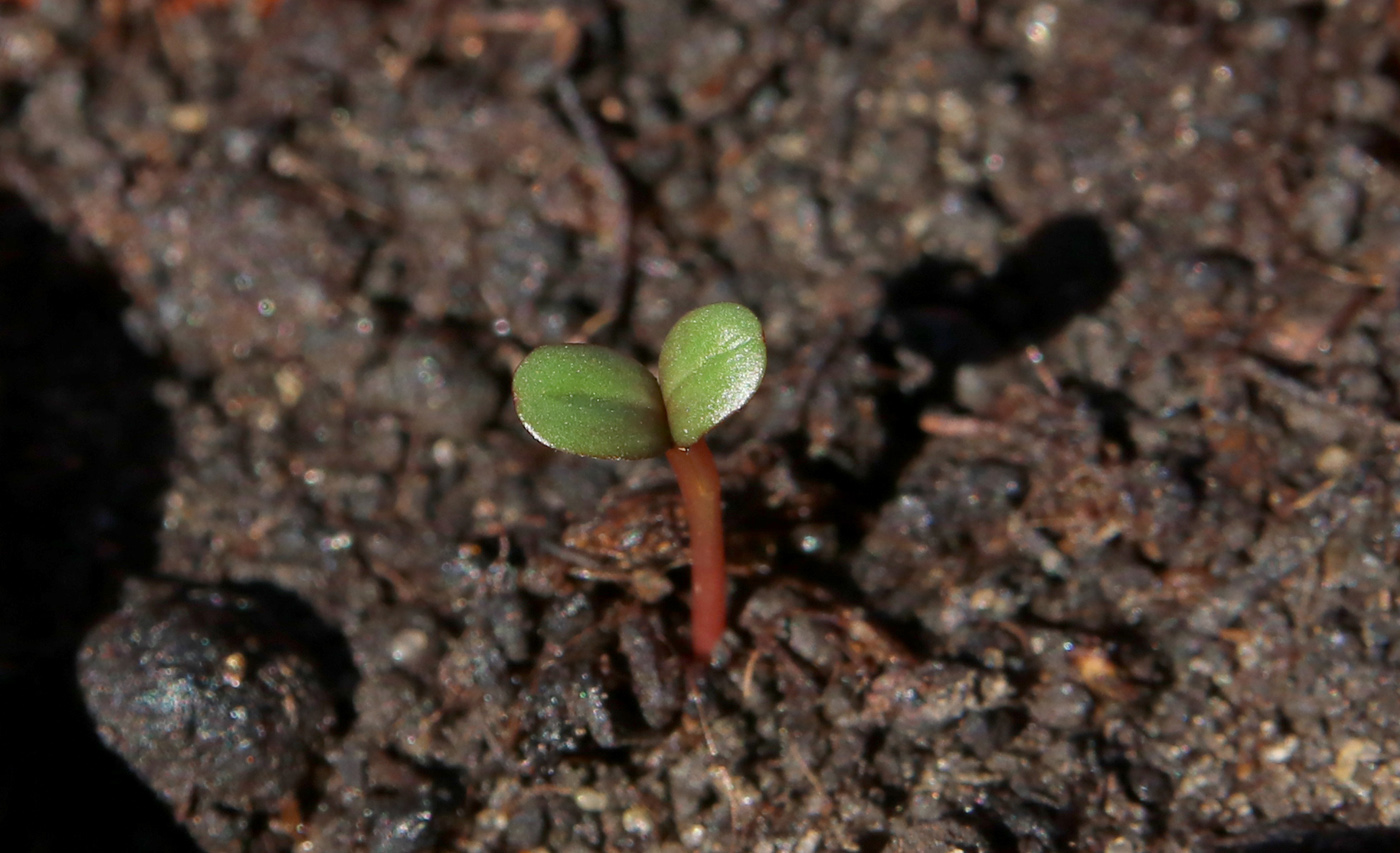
1065 517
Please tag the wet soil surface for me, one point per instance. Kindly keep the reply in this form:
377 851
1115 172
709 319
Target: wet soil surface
1066 518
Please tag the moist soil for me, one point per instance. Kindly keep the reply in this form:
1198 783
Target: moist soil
1065 519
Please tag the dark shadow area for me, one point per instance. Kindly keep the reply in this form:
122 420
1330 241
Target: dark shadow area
1339 840
85 447
947 312
280 619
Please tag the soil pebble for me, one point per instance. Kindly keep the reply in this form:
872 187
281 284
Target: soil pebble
210 697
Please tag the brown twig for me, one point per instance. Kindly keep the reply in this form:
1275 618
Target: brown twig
613 212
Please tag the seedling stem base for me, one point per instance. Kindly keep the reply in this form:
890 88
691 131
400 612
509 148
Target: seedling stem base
699 482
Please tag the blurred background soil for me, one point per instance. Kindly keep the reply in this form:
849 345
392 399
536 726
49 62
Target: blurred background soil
1066 518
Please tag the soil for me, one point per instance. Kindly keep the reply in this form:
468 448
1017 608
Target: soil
1066 518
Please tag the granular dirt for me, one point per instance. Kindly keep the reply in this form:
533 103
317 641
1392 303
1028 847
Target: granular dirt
1066 517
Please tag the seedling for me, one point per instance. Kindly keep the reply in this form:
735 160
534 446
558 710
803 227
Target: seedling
592 401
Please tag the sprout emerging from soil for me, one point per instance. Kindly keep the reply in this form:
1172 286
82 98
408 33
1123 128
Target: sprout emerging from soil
591 401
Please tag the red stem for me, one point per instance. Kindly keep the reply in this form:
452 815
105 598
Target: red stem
699 482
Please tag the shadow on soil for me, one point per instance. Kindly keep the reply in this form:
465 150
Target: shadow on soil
1367 840
85 448
946 312
950 314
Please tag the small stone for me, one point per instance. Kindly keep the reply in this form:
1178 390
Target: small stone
409 646
1352 753
637 821
207 697
1334 460
1281 750
590 799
